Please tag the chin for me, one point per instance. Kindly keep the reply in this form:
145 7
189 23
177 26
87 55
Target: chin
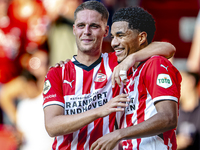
120 59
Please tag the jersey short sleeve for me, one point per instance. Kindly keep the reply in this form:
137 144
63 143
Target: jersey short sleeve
162 79
52 91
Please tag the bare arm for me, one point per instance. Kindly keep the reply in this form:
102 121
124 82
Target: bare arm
18 88
59 124
9 92
164 120
155 48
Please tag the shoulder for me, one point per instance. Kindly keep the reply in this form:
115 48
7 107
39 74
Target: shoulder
58 70
111 57
54 75
112 60
54 71
156 61
111 54
159 65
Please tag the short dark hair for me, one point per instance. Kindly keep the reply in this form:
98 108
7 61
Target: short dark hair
93 5
138 19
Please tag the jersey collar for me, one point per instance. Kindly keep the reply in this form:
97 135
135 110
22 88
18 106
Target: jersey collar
87 68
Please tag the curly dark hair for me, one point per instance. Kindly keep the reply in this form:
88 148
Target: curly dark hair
93 5
138 19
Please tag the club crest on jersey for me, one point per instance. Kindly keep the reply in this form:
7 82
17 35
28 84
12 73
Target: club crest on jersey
47 87
164 80
100 77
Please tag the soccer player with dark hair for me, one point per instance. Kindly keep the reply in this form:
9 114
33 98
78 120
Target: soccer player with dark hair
150 119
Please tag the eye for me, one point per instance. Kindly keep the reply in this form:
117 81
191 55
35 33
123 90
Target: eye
80 25
95 26
120 35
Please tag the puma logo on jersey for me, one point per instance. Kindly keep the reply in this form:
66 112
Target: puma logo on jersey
70 83
164 66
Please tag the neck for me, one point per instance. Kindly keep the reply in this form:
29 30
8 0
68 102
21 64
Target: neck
135 65
87 59
142 46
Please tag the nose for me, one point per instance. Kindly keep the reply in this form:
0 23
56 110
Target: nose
114 42
87 30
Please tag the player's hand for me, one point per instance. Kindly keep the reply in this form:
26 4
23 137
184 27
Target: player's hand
116 104
60 64
107 142
119 74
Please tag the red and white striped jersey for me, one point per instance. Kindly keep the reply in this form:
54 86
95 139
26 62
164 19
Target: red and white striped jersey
154 80
78 88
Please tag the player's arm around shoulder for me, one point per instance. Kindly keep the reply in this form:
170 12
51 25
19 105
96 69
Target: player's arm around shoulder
164 49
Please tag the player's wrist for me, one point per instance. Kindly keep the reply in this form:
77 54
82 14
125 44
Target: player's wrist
119 135
99 112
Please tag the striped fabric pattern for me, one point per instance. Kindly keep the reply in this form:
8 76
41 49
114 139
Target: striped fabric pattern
77 89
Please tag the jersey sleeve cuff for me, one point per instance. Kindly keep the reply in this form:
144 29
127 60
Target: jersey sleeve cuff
53 103
162 98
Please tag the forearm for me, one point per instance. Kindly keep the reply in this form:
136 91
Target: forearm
9 93
164 49
9 108
156 125
155 48
66 124
59 124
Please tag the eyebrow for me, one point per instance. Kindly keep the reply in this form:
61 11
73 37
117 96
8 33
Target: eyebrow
120 32
117 33
79 22
89 24
94 24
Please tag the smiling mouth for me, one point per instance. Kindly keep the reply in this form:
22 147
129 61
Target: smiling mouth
86 39
118 51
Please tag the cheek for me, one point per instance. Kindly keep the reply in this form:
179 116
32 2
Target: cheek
132 47
126 47
99 36
77 32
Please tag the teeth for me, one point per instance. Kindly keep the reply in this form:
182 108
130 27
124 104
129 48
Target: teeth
117 50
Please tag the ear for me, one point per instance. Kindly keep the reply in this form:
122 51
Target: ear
142 38
106 31
73 29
